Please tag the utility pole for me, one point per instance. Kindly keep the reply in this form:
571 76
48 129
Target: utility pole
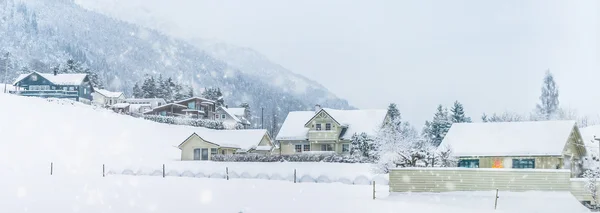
6 70
262 118
598 139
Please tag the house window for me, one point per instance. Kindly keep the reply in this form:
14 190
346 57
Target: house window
298 148
53 87
223 116
191 105
327 126
163 113
326 147
306 148
71 88
34 78
197 154
469 163
84 90
345 147
318 127
213 151
523 163
223 152
216 116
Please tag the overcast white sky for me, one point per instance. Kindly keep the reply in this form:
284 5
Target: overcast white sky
489 55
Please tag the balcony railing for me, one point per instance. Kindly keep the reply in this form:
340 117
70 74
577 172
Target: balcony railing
47 93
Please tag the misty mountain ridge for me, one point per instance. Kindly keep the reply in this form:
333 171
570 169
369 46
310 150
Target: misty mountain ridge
40 34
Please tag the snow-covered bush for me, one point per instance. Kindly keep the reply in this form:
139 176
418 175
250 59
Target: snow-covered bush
329 158
591 178
207 123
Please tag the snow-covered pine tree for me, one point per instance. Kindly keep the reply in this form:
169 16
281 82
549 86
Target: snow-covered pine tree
137 91
247 111
426 133
504 117
457 114
215 95
168 87
549 104
190 92
362 145
393 111
149 87
440 125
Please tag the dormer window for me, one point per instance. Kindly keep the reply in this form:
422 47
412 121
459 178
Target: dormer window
318 128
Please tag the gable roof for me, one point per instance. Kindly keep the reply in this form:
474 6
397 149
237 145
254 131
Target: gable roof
355 121
237 111
108 94
588 134
532 138
231 114
59 79
195 98
241 139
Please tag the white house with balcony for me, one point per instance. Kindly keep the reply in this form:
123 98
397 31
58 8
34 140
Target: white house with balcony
107 98
326 130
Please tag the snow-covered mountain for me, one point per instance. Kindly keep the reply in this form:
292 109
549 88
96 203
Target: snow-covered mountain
40 34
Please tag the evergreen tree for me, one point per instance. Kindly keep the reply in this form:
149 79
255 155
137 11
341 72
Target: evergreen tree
215 95
457 114
549 104
190 92
362 144
247 112
137 91
393 111
426 132
179 92
168 88
440 125
149 88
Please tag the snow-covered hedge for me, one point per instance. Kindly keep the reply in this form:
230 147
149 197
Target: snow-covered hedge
329 158
211 124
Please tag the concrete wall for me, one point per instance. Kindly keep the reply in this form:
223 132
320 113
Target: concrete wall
467 179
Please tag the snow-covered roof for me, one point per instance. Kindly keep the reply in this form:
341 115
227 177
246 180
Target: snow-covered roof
588 134
237 111
120 105
136 107
58 79
107 93
356 121
231 114
242 139
145 100
541 138
293 126
192 98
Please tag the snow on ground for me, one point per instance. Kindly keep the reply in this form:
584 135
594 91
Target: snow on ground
155 194
79 138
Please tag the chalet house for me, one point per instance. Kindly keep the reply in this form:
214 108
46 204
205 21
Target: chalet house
326 130
195 107
232 116
107 98
203 145
74 86
519 145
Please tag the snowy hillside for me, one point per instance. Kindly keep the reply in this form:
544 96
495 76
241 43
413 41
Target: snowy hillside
40 34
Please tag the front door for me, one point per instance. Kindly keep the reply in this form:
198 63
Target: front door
204 154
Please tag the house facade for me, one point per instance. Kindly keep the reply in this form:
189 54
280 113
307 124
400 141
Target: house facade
196 107
152 102
518 145
232 116
72 86
107 98
326 130
204 145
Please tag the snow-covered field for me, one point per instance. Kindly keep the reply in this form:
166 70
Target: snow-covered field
135 194
78 139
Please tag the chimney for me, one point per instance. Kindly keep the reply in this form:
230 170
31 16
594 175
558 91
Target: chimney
55 72
317 108
226 106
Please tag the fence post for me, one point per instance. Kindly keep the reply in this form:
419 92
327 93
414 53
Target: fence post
51 168
373 190
103 173
163 170
227 172
294 175
496 202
